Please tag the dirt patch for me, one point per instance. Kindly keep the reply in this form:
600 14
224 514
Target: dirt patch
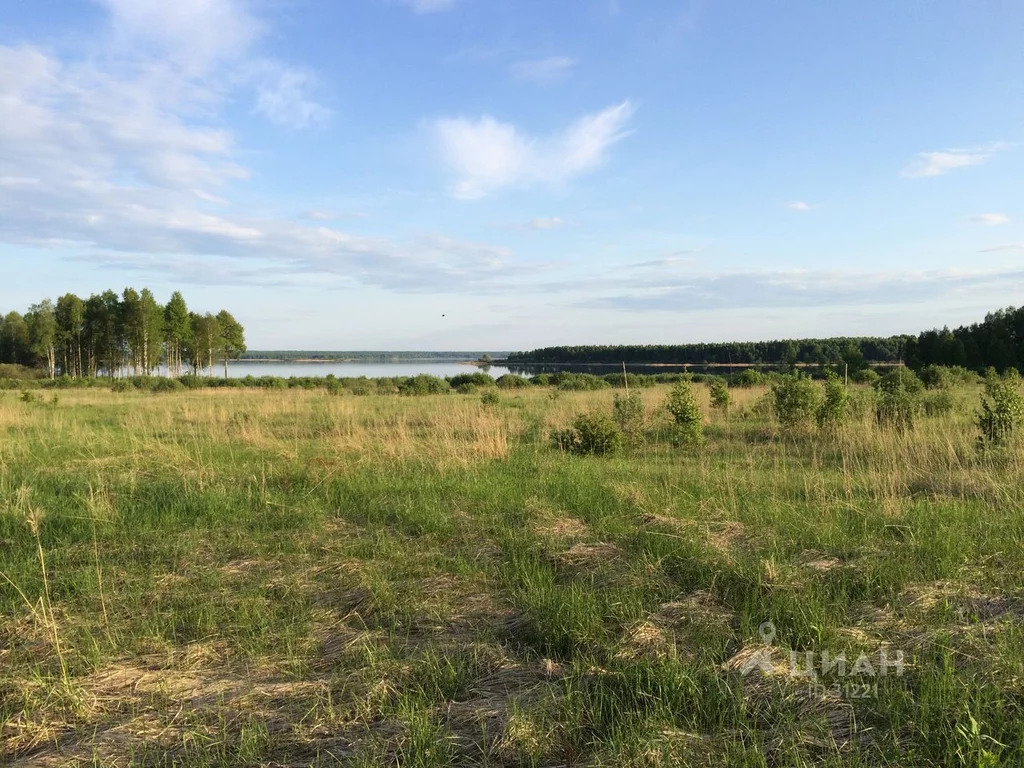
589 554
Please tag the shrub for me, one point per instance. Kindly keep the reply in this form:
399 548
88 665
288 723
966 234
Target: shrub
167 385
936 377
796 400
567 381
689 421
511 381
900 379
864 376
634 380
424 384
121 385
749 378
541 380
1002 410
835 406
631 416
27 397
938 403
591 433
490 398
598 434
896 408
475 379
720 396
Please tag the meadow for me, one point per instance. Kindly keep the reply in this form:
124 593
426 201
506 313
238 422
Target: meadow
247 577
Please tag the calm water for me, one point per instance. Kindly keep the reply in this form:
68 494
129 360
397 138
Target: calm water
241 369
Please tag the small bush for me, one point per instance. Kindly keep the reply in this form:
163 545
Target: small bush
511 381
121 385
424 384
474 379
937 377
1002 410
578 382
720 399
835 406
796 400
938 403
167 385
897 409
864 376
591 433
541 380
631 416
900 379
686 413
490 398
27 397
749 378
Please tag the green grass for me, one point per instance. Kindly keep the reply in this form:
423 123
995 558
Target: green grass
239 577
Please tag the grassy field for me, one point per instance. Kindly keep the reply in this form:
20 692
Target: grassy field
245 577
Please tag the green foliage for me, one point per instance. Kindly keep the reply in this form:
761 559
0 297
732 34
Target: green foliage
720 399
686 413
27 397
512 381
749 378
900 379
167 385
579 382
591 434
938 403
490 398
835 405
936 377
896 408
796 400
424 384
1002 410
631 416
477 379
864 376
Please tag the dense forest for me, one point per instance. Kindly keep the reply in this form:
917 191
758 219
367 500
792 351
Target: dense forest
111 335
998 341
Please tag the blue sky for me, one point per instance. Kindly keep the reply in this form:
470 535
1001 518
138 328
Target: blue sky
504 174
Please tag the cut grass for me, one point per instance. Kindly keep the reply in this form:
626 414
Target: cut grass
259 577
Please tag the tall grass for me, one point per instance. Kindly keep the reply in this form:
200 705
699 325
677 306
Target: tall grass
245 577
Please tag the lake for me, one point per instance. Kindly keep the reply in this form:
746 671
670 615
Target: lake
242 368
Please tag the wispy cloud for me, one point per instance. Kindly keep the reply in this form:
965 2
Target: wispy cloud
1005 247
549 70
799 205
929 164
989 219
683 292
487 155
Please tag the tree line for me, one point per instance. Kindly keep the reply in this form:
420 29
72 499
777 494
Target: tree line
779 352
996 342
112 335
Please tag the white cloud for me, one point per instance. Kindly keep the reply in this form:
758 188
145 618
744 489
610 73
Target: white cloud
194 32
550 70
798 205
929 164
282 95
989 219
125 157
486 155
